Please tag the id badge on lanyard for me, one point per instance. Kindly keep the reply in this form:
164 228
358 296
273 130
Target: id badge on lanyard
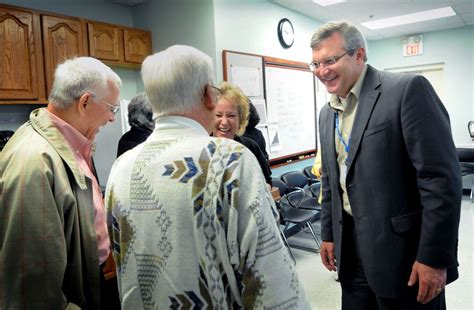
343 168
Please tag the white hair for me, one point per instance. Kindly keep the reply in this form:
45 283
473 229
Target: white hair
79 75
175 78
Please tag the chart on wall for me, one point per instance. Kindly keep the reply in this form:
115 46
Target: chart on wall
291 114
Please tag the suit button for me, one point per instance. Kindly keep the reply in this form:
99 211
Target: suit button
340 222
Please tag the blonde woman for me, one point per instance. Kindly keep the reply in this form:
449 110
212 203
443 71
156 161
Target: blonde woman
232 114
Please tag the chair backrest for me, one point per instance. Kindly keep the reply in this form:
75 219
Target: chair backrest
314 189
294 180
282 187
465 155
307 172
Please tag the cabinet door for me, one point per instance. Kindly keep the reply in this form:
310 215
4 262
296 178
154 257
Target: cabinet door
105 42
62 38
21 56
137 45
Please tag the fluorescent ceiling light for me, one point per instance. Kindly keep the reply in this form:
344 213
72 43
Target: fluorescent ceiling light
409 18
327 2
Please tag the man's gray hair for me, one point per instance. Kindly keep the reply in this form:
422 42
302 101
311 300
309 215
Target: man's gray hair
140 113
352 37
77 76
175 78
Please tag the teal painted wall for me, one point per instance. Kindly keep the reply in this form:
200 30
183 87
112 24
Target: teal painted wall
100 10
250 26
178 22
455 49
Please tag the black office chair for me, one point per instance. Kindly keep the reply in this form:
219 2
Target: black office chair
309 174
315 188
291 215
466 163
297 181
291 212
282 187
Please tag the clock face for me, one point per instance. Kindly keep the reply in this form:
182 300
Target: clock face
286 33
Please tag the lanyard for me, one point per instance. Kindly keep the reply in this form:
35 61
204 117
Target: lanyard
339 134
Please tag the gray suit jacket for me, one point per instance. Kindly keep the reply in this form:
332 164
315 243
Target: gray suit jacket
403 181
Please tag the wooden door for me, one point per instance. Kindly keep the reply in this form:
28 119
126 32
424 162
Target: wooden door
137 45
62 38
21 66
105 41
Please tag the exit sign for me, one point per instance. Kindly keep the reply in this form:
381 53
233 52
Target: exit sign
412 45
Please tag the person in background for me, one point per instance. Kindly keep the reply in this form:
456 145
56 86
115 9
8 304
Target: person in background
391 180
53 230
140 118
191 220
252 132
232 114
316 171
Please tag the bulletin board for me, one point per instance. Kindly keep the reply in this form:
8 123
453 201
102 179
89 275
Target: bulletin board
284 94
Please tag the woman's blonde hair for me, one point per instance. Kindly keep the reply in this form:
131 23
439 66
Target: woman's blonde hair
236 96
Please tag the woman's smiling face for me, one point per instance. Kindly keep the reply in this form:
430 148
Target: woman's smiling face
227 119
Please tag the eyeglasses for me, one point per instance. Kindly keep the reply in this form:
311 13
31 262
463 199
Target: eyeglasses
217 92
327 62
113 108
217 89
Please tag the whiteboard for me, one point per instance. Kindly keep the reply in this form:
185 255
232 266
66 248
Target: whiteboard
291 113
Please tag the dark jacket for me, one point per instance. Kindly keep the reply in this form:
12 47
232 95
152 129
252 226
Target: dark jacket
262 161
403 181
257 136
132 138
253 133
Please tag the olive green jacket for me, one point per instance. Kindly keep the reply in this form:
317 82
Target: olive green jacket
48 246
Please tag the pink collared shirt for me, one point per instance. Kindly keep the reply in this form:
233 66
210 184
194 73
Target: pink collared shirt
82 149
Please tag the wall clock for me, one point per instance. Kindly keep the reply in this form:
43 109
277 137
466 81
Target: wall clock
286 33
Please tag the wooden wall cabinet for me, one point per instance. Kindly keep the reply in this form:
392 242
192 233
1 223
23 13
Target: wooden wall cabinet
32 43
21 60
62 38
137 45
118 45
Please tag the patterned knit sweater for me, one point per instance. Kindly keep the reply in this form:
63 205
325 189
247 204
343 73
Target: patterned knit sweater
191 226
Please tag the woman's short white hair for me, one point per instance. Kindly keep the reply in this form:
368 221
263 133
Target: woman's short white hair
175 78
79 75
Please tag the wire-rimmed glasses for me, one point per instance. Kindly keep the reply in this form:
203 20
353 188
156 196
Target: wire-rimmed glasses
326 62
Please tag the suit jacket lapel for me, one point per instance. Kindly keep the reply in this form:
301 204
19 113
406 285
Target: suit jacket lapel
368 98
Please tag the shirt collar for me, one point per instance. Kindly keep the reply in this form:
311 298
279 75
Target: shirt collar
77 141
178 122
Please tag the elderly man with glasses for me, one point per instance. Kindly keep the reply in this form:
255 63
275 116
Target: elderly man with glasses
191 216
53 230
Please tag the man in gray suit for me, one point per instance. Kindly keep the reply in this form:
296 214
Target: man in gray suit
391 180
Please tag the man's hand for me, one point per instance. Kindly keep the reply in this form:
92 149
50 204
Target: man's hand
327 255
431 281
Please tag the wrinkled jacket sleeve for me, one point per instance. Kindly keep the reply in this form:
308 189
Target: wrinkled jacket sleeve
32 229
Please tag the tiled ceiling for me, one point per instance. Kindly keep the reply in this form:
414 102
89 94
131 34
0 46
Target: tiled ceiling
357 11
